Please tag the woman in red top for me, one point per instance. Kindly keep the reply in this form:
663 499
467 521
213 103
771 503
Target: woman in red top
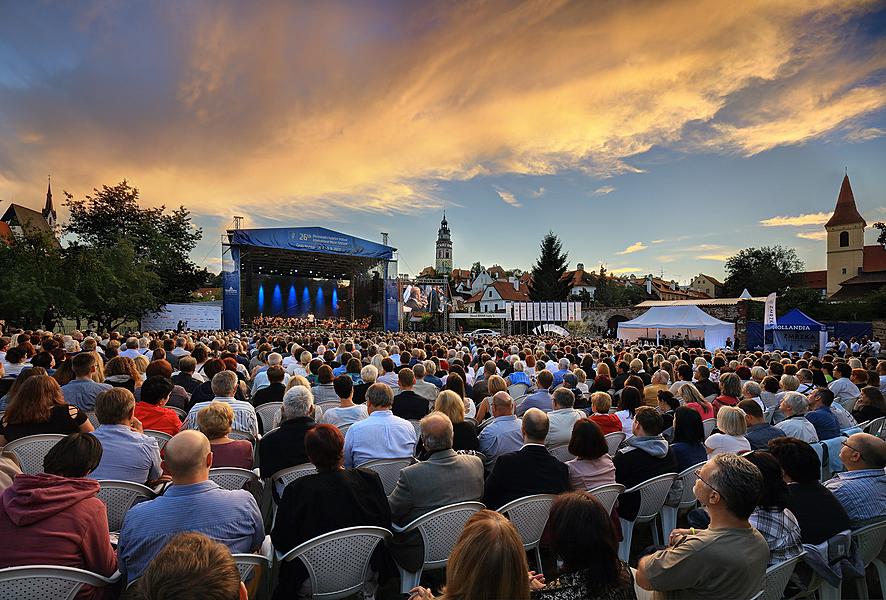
151 409
54 518
602 381
694 400
601 403
215 422
730 391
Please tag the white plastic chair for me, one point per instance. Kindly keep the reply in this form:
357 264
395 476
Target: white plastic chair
237 434
708 425
388 469
517 390
529 515
232 478
669 514
439 530
338 562
181 413
822 451
48 582
269 415
653 493
327 404
161 436
31 450
258 565
119 497
608 494
777 576
561 453
613 441
876 427
870 540
284 477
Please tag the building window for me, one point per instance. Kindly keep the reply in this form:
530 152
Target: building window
844 271
844 239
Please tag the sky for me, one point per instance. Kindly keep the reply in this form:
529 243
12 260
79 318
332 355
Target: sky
652 137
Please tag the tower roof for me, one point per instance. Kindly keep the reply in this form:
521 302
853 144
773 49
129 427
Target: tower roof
845 213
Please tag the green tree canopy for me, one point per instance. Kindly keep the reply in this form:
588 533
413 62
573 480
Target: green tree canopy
761 270
547 283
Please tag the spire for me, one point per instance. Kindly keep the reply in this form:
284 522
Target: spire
845 213
49 210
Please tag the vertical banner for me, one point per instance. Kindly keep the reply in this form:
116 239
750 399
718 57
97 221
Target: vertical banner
509 311
769 322
577 310
392 303
544 311
570 311
230 287
558 311
536 311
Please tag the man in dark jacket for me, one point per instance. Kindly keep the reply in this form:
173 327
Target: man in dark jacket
185 377
408 404
645 455
530 470
275 389
285 446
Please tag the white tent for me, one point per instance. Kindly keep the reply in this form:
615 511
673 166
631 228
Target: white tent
690 322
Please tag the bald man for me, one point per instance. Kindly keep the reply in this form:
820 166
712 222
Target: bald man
862 488
530 470
191 503
419 488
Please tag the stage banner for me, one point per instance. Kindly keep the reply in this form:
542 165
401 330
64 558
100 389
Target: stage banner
577 306
310 239
509 311
392 305
205 316
230 287
536 311
559 313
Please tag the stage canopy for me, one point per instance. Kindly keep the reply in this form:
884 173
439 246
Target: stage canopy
795 331
667 321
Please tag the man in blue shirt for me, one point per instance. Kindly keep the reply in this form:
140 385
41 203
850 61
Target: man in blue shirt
382 434
127 453
820 415
504 434
562 369
192 503
82 390
540 399
862 488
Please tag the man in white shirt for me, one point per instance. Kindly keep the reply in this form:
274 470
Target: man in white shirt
382 434
794 406
562 418
844 390
224 386
389 376
131 348
261 378
424 389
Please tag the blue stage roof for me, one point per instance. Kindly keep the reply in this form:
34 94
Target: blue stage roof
796 320
310 239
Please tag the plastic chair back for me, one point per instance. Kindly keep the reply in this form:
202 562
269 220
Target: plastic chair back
269 415
119 497
561 453
709 425
48 582
231 478
608 494
161 436
31 450
777 576
613 441
284 477
653 493
388 470
529 515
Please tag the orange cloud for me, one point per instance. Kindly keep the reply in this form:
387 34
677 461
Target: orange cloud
819 218
635 247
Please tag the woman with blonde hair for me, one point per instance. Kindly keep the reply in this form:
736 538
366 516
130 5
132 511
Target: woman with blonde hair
732 425
215 422
488 538
39 407
464 433
298 380
694 400
496 384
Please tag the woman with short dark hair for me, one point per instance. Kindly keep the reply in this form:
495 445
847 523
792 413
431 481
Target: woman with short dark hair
687 442
592 465
54 517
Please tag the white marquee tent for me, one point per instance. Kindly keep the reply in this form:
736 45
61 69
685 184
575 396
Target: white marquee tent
667 321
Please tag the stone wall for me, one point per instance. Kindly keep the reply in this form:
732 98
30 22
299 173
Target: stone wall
879 329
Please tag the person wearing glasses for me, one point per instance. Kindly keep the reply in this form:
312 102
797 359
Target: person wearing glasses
861 489
701 563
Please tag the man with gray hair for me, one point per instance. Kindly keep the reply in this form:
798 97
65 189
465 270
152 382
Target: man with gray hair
419 489
284 446
530 470
562 418
504 433
224 386
382 434
426 390
794 406
261 378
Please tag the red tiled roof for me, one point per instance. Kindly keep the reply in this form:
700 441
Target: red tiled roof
845 213
475 298
5 233
817 280
713 280
874 259
506 290
579 277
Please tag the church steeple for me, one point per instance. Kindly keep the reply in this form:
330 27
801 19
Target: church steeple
443 263
49 210
846 213
845 239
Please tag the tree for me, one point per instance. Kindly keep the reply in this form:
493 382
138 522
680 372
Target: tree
477 268
761 270
547 273
806 299
161 239
881 238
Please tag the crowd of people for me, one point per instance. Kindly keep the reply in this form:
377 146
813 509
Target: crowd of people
308 322
476 418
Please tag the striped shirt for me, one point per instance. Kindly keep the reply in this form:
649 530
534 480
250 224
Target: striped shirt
245 418
862 493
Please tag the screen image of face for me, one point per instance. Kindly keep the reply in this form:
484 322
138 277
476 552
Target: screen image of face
423 298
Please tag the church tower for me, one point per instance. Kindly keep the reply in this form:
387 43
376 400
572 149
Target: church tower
49 210
845 239
443 264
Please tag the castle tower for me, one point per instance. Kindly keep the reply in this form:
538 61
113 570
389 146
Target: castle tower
49 210
845 239
443 264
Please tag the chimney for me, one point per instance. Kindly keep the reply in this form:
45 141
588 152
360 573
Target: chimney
580 267
515 282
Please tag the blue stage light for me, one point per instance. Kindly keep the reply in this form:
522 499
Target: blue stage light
291 307
277 300
261 297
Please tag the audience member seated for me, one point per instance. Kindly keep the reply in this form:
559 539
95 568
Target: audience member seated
771 518
481 386
368 375
273 392
861 489
732 427
488 539
542 398
794 406
751 391
382 434
191 503
583 537
324 391
121 371
504 434
39 407
843 388
129 454
178 397
601 402
151 410
284 447
408 404
530 470
645 455
870 405
190 566
630 400
214 421
660 380
808 499
730 392
224 386
19 381
333 498
702 564
592 465
694 400
759 432
667 406
464 432
82 390
819 414
562 418
419 489
346 412
185 377
423 388
703 383
54 517
494 385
